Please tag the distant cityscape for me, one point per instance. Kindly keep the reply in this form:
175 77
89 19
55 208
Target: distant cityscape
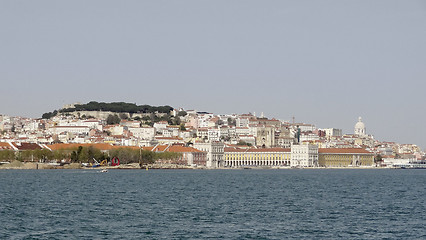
203 139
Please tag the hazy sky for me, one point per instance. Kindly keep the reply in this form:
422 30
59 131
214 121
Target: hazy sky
324 62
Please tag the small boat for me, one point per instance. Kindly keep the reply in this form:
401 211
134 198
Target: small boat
103 170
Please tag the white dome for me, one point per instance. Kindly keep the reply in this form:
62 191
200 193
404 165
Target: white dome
360 127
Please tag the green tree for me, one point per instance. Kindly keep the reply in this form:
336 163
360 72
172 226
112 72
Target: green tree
232 122
378 158
83 155
7 155
242 143
113 119
60 154
74 156
124 116
182 114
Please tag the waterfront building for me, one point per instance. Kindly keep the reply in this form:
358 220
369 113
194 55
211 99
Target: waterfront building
189 155
305 155
214 150
256 157
344 157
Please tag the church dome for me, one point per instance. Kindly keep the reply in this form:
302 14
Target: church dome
359 124
359 127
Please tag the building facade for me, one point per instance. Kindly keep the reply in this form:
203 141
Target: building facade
270 157
215 152
345 157
305 155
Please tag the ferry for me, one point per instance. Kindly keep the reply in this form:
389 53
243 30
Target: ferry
412 165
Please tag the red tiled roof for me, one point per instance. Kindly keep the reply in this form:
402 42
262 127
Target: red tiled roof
27 146
168 138
70 146
172 148
344 150
254 150
5 145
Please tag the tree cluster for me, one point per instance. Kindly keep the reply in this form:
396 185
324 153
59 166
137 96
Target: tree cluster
113 119
87 154
242 143
49 114
128 155
33 155
118 107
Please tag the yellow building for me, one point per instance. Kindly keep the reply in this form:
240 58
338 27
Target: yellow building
344 157
236 157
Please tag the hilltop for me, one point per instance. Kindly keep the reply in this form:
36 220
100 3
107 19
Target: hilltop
114 107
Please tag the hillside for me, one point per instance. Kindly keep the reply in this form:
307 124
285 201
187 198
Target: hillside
115 107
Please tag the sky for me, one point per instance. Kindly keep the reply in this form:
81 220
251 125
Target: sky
323 62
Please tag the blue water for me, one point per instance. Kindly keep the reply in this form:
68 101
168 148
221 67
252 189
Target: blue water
200 204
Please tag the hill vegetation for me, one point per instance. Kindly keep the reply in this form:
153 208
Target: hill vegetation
117 107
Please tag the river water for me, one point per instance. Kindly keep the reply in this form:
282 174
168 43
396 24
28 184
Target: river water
200 204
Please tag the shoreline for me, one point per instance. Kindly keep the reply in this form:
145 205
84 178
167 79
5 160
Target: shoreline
41 166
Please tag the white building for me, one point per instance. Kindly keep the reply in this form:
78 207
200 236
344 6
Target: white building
304 127
242 131
70 129
160 126
116 130
147 133
224 131
204 120
171 131
242 121
215 151
332 132
305 155
203 133
187 135
213 134
96 124
359 128
306 137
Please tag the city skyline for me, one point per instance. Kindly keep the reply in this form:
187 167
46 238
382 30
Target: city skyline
325 63
261 115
